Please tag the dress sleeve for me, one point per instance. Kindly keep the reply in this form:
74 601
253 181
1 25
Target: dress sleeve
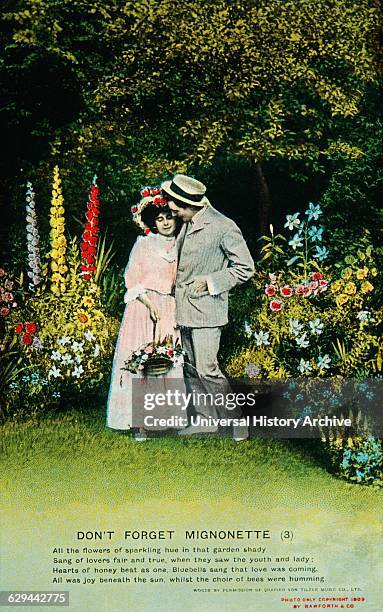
134 272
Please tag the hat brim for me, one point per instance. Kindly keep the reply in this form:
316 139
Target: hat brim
165 186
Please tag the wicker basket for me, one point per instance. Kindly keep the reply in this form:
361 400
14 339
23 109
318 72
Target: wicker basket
157 366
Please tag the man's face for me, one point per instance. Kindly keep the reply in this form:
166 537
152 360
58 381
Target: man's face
185 214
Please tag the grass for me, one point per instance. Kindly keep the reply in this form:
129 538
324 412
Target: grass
74 456
65 473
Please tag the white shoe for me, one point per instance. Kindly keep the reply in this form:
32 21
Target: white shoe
141 436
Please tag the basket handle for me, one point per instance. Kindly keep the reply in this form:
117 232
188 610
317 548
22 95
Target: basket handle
154 333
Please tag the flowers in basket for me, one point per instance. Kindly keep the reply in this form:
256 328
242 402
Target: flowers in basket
156 359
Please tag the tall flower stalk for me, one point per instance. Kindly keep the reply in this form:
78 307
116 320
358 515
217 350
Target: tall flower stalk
91 231
59 266
33 239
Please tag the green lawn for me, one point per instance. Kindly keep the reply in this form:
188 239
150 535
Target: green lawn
74 456
68 473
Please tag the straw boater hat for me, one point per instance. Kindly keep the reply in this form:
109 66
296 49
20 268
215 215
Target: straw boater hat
186 189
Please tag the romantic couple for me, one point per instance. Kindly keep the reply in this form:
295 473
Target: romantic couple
178 279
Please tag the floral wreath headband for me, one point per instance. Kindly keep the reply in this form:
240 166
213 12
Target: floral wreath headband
150 196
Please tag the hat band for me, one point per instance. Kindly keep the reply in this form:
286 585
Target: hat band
194 197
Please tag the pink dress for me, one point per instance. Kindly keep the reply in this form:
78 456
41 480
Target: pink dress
151 270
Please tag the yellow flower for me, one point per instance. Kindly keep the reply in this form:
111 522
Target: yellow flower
341 299
61 250
374 272
346 273
54 266
367 287
336 286
63 269
88 301
350 288
83 317
54 254
61 241
361 273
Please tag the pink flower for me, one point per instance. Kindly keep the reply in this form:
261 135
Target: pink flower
314 285
276 305
270 291
306 291
148 350
286 291
299 290
8 284
4 312
2 272
8 296
323 285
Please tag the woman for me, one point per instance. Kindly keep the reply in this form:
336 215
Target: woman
149 278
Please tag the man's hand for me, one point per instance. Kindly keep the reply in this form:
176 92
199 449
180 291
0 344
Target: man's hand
198 284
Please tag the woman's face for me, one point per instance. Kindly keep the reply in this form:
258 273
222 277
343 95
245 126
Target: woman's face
165 223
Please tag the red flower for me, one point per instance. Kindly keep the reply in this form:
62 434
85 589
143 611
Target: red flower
19 328
4 312
276 305
306 291
323 285
93 241
30 328
89 216
86 275
26 339
147 231
90 259
317 276
86 235
155 191
270 290
134 209
145 192
170 352
286 291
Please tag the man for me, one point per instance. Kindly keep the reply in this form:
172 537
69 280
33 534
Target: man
212 258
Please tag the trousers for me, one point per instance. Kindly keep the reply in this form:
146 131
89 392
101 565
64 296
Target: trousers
203 377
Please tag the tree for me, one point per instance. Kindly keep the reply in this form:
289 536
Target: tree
167 85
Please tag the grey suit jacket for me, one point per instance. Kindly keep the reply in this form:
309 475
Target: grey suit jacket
213 246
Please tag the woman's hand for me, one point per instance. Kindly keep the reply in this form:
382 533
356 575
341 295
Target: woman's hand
154 313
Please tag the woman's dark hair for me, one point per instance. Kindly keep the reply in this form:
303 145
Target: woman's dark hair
151 212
